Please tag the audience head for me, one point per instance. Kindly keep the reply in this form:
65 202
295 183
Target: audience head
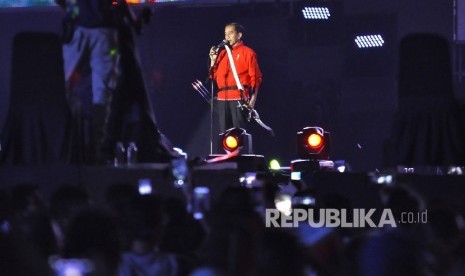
93 234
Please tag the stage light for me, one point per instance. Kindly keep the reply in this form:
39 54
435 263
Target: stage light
369 41
316 23
235 138
237 144
274 165
371 45
316 13
230 143
313 143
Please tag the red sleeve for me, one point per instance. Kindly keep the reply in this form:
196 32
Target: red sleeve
254 72
214 70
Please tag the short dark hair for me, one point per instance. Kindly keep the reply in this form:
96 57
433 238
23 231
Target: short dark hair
238 27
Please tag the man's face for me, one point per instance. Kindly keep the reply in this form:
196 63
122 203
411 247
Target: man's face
231 35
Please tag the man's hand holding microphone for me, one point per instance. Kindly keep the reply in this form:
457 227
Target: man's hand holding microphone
214 50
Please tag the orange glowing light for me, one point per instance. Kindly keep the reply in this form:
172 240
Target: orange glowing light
315 141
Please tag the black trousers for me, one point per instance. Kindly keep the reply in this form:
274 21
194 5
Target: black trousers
230 115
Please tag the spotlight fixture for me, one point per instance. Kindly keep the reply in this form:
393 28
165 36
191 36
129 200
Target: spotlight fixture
237 144
274 165
370 44
235 138
316 13
230 143
313 143
369 41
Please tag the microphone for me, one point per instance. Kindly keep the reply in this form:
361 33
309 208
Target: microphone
223 43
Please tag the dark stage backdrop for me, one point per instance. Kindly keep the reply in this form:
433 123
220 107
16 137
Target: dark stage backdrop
311 75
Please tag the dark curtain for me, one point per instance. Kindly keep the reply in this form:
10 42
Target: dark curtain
37 126
428 129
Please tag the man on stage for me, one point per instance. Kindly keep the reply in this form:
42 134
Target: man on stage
237 76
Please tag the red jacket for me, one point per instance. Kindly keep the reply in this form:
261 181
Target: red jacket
247 69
